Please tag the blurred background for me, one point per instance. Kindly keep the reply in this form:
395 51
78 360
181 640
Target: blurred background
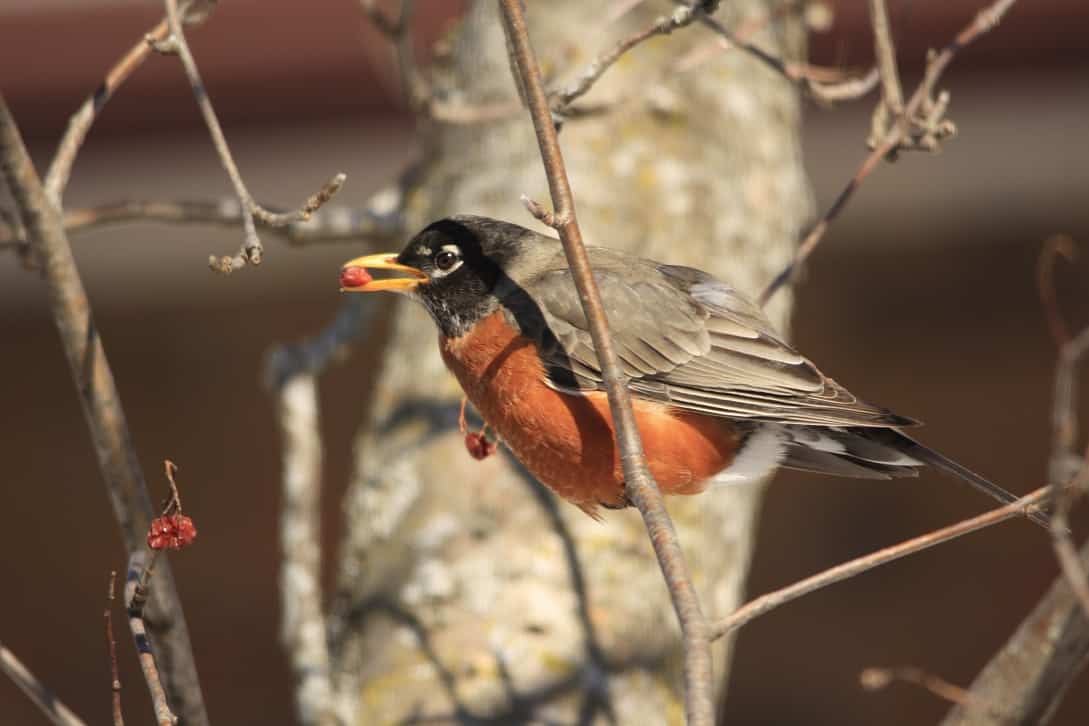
922 298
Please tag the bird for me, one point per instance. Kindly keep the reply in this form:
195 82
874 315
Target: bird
718 394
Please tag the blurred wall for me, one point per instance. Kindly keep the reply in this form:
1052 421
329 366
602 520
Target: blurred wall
922 298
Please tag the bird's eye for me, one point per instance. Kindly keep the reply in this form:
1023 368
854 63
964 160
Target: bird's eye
445 259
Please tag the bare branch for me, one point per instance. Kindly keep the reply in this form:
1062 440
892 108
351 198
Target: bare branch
1068 472
1063 246
878 679
810 80
414 86
680 18
768 602
195 12
100 401
13 235
924 133
1026 679
891 105
251 249
1064 458
816 233
640 487
111 645
50 706
79 125
824 85
380 220
136 579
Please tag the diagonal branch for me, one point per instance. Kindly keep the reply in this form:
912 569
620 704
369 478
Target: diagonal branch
768 602
194 13
640 487
36 691
1026 679
101 404
924 127
79 125
679 18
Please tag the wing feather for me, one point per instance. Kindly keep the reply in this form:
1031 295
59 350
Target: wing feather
686 339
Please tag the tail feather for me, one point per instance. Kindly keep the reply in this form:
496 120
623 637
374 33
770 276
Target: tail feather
939 461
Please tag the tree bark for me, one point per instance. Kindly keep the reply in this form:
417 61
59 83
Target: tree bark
466 590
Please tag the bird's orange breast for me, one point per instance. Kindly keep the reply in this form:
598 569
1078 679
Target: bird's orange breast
565 440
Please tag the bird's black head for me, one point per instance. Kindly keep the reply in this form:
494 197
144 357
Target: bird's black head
455 265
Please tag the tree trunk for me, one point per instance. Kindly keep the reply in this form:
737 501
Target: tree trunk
464 588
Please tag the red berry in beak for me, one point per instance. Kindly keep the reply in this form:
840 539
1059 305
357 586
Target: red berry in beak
351 277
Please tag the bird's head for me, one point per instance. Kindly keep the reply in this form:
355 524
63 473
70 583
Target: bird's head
453 267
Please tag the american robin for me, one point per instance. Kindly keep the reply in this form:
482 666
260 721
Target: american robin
716 390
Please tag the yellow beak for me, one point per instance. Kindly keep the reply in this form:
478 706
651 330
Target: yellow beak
385 261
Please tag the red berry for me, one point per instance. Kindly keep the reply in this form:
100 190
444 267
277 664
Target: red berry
478 446
171 532
353 277
186 531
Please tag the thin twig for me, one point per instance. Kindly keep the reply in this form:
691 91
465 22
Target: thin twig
768 602
251 249
898 137
890 109
134 602
878 679
79 125
825 85
111 645
810 80
101 403
1060 245
640 487
414 86
679 18
35 690
380 220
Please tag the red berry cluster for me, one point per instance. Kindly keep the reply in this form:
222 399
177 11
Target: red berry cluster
171 532
479 446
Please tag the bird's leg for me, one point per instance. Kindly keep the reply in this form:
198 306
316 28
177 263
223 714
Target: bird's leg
462 426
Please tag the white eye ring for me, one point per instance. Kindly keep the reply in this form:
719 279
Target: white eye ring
447 259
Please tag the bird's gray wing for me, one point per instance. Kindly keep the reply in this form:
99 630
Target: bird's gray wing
686 339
